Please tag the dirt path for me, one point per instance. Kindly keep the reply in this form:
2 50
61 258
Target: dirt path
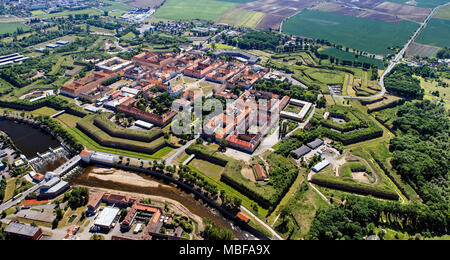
247 172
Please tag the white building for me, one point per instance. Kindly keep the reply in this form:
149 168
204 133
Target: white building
320 166
106 218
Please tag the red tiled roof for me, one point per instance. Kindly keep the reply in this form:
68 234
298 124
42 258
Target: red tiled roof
243 217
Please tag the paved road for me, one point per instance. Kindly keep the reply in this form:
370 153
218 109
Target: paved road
11 203
396 59
275 235
180 151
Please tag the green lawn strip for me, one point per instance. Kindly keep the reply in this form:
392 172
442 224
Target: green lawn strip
9 191
286 199
92 145
87 126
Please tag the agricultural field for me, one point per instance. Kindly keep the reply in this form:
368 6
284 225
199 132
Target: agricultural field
115 6
443 13
209 10
436 33
357 33
12 27
276 11
143 3
422 50
242 18
90 11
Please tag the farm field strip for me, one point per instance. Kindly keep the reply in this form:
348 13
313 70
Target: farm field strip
350 31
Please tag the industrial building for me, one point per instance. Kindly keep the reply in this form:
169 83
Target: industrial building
12 58
106 219
320 166
316 143
300 152
22 231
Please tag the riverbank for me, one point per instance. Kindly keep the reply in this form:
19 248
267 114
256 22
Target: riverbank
174 206
164 190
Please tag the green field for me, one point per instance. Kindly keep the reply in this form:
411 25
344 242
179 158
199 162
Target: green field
89 11
12 27
443 13
422 3
358 33
195 9
437 33
343 55
114 6
241 17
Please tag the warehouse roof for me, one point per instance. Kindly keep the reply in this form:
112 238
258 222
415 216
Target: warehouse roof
106 217
22 229
303 150
316 143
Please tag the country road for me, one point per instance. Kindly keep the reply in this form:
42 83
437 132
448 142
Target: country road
397 58
13 202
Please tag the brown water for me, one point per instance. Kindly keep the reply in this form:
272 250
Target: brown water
165 190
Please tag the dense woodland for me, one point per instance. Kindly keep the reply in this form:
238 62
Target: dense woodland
401 82
420 155
258 41
443 53
422 149
286 88
358 218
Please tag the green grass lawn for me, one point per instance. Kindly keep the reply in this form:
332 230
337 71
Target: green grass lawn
12 27
212 170
92 145
358 33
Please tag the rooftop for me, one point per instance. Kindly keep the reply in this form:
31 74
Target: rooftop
106 217
22 229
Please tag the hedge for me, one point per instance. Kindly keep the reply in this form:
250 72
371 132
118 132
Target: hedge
360 128
102 121
101 137
53 102
360 188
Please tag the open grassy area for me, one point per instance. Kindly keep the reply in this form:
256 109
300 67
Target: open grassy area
212 170
358 33
90 11
443 13
12 27
303 207
93 145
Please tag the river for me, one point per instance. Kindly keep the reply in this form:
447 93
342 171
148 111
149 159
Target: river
32 140
92 178
28 139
